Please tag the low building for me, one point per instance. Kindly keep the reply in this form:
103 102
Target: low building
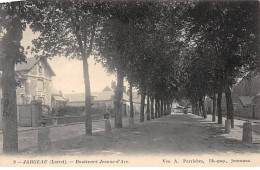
58 101
244 107
76 99
256 106
106 99
103 101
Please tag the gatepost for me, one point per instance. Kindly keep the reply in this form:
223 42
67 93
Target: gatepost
247 132
44 140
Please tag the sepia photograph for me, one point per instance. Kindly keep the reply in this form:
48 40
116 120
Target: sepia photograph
129 83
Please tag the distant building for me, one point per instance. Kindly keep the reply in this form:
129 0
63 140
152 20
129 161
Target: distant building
244 94
244 107
58 100
136 102
104 100
76 99
256 106
245 97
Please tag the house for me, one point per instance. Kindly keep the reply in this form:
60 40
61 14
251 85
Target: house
256 106
137 102
35 78
244 93
248 86
244 97
244 107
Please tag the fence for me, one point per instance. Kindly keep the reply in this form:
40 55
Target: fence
34 114
66 120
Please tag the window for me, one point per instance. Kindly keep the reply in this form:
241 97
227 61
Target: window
40 85
40 69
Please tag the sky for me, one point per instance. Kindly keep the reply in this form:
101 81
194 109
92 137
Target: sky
69 73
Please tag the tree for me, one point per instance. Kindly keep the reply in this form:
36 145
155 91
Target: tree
234 51
118 46
12 24
68 28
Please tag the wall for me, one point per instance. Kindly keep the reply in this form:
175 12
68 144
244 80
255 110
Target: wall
243 111
108 106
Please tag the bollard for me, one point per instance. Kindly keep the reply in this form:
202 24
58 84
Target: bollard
107 125
247 132
131 120
227 126
44 140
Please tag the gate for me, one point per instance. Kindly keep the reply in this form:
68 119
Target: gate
24 115
29 115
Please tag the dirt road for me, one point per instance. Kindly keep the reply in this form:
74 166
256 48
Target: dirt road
174 134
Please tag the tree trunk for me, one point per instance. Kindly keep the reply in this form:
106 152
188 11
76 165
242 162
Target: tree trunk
10 135
229 103
219 99
165 108
168 108
88 117
148 108
159 108
156 108
152 107
197 111
203 107
162 111
193 108
142 106
11 54
199 107
118 98
131 99
214 108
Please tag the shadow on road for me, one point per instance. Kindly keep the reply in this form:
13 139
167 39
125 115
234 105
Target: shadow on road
173 134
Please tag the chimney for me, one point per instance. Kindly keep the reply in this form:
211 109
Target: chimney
60 92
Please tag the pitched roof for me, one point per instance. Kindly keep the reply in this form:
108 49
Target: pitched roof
107 89
104 95
107 95
246 100
98 96
58 98
75 97
27 66
30 63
